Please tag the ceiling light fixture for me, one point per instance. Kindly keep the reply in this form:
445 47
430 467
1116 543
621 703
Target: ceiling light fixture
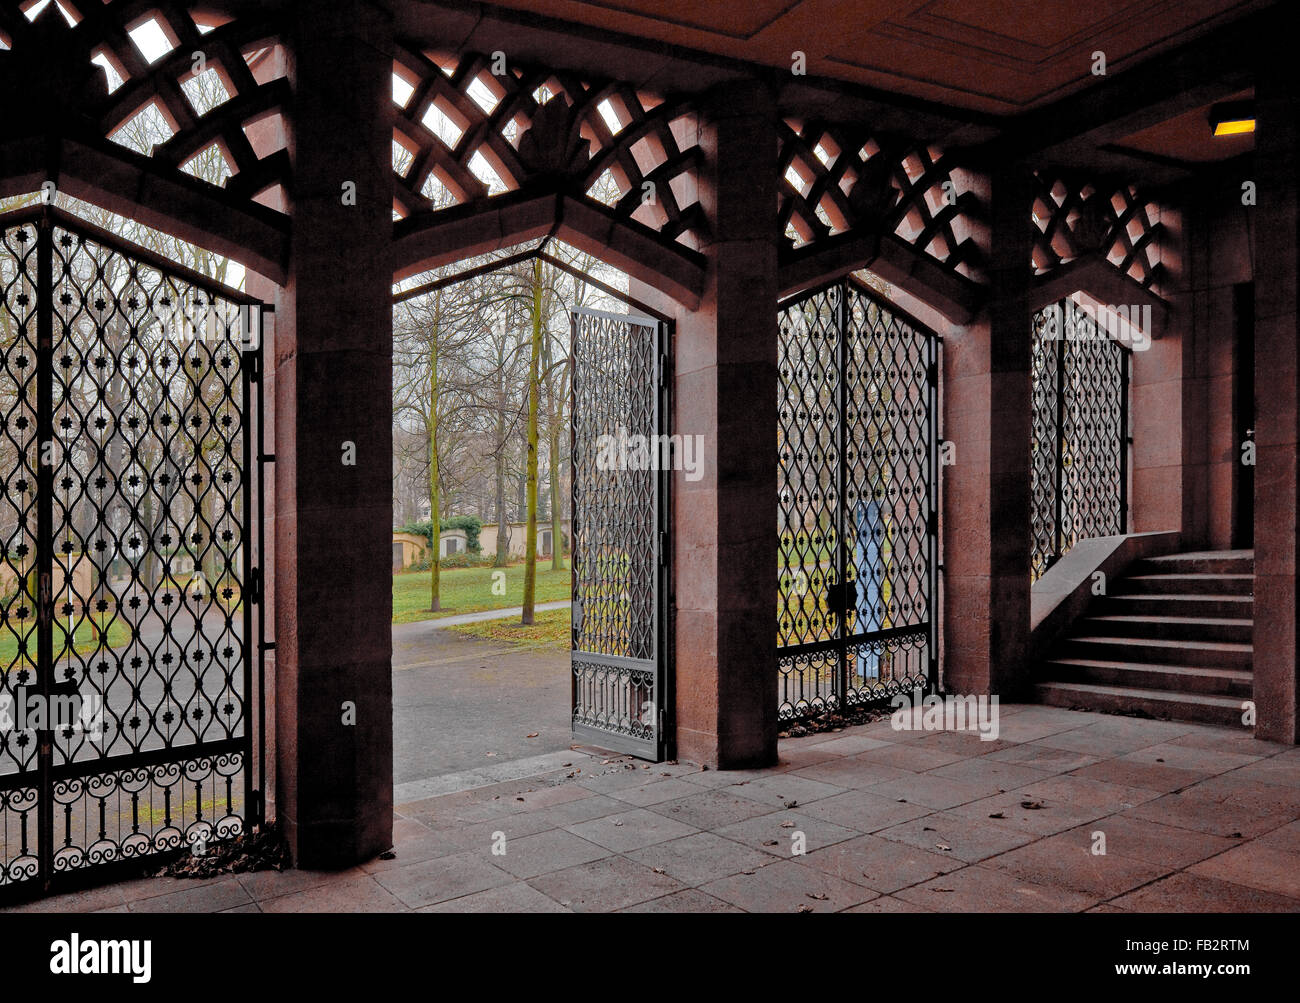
1232 119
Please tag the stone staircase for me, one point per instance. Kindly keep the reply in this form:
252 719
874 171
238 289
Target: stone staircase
1171 639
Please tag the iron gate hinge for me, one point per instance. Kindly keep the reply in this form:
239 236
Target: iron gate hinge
663 371
932 374
255 585
663 548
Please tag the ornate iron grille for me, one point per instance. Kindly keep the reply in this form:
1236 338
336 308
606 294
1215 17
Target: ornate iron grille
127 592
1079 437
619 486
857 509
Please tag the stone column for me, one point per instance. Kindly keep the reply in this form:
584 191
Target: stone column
986 409
333 476
724 533
1276 220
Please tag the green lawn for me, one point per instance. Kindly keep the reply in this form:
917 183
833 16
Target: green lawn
85 641
469 590
550 628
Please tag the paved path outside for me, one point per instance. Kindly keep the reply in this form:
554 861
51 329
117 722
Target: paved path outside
1195 819
512 612
464 703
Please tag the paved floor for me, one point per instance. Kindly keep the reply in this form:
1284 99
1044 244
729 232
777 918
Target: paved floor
1193 819
461 703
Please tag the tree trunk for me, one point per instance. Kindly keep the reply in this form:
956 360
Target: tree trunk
435 521
534 403
557 522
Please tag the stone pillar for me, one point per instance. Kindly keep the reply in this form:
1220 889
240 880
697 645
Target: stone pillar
986 405
1276 371
724 536
333 483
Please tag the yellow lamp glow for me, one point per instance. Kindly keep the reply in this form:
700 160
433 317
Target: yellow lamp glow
1235 127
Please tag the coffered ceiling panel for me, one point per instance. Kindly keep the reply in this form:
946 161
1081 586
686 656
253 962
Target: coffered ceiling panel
1000 57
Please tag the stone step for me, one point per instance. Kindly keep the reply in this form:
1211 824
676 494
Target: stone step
1174 604
1166 678
1169 628
1202 708
1155 651
1232 562
1198 584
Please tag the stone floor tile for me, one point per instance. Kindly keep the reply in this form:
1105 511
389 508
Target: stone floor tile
865 811
787 886
1255 865
690 900
431 881
553 850
701 857
776 834
967 839
212 895
517 897
1185 892
710 809
880 864
631 829
1066 860
980 889
605 885
358 894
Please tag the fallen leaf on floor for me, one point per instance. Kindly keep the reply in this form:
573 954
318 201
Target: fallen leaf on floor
942 846
1032 805
532 734
787 825
657 870
769 842
790 804
617 822
997 814
817 896
388 855
804 907
927 828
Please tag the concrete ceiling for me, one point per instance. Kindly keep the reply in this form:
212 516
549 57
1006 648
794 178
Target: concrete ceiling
994 56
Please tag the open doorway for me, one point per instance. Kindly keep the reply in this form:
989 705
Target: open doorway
485 355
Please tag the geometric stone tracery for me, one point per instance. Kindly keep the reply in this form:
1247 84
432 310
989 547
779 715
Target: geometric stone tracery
836 179
1074 217
464 134
122 61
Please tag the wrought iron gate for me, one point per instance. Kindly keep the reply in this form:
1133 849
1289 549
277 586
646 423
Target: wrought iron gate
127 592
857 516
621 464
1079 434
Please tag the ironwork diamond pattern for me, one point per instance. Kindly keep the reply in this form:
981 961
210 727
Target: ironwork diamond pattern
856 507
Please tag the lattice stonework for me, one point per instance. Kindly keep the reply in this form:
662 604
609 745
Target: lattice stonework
836 178
1074 218
464 133
177 84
